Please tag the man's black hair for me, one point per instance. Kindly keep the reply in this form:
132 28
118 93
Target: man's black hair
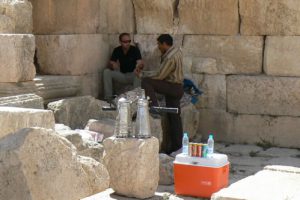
123 34
165 38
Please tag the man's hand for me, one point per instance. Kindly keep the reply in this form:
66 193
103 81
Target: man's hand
114 65
138 68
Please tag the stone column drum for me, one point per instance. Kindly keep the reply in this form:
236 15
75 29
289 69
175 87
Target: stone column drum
133 165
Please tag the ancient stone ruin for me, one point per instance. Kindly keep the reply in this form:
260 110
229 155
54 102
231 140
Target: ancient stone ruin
243 54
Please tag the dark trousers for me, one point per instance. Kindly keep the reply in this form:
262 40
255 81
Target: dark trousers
172 138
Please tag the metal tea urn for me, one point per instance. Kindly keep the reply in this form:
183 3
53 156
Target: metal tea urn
123 122
142 126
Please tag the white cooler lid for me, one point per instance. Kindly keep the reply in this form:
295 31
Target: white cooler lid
215 160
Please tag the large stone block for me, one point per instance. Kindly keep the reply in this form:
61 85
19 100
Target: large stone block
208 17
154 16
281 57
214 91
190 120
15 16
23 101
75 112
127 161
263 95
90 85
251 129
270 183
12 119
65 17
72 54
233 54
270 17
116 16
16 57
39 164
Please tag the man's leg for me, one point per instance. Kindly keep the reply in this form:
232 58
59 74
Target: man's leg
108 77
175 124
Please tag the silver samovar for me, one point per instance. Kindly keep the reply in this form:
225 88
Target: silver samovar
142 126
123 121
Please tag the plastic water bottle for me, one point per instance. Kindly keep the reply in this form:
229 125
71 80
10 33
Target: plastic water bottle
210 145
185 144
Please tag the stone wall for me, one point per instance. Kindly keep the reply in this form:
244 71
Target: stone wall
242 53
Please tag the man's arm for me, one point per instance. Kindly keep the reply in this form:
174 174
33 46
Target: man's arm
114 61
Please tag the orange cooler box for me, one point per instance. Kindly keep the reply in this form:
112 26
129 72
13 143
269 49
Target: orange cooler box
200 177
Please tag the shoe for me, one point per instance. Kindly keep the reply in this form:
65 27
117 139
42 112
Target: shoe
175 153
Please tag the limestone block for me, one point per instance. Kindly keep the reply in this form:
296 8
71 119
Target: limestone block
116 16
61 127
154 16
270 17
16 57
166 172
6 24
131 173
281 58
12 119
72 54
150 53
233 54
190 120
266 184
103 126
214 91
48 87
266 130
204 65
208 17
65 17
218 122
75 112
23 101
18 16
39 164
263 95
84 146
90 85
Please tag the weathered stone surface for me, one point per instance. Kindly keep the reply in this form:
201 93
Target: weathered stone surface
48 87
281 58
150 53
190 119
214 91
208 17
218 122
116 16
6 24
76 112
275 152
38 159
238 150
23 101
250 129
61 127
154 16
65 17
166 172
103 126
90 85
72 54
16 57
131 173
233 54
263 95
261 186
204 65
84 146
269 17
12 119
15 17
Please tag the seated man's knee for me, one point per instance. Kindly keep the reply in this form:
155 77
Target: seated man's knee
106 72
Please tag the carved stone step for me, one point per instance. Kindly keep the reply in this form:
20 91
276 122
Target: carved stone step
23 100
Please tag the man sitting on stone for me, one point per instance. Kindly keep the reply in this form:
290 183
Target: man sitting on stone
124 67
168 82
